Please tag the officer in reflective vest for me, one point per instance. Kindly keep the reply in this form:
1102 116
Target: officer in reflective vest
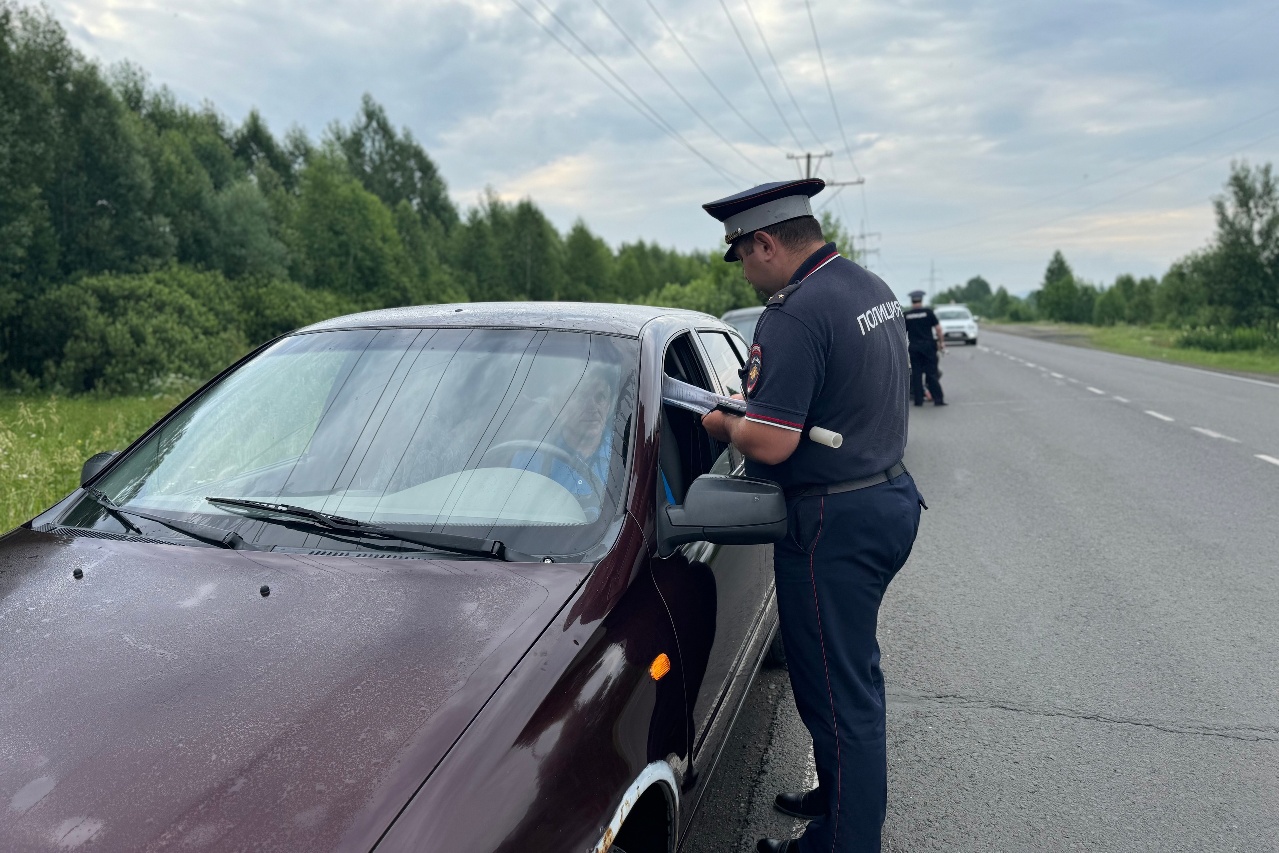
829 351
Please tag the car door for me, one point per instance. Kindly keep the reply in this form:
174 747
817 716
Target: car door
726 587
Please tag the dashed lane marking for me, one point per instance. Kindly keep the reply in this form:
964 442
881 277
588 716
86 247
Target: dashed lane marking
1157 415
1214 434
1122 399
1030 364
1057 376
1096 390
1076 381
1264 458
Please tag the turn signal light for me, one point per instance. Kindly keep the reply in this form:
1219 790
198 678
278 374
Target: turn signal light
659 667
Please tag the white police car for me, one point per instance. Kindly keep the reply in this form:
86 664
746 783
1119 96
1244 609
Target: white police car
957 323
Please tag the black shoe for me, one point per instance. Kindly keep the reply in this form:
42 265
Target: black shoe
939 403
799 804
920 403
772 845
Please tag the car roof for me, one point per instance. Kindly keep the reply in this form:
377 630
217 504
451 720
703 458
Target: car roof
606 318
743 312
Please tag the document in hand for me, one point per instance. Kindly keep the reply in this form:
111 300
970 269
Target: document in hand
695 399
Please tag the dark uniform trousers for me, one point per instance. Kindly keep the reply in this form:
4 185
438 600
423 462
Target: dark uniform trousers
923 364
832 569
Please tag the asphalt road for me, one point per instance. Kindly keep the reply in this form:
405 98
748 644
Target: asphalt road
1083 651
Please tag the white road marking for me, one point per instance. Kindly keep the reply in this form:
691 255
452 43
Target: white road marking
1029 364
1264 458
1157 415
1076 381
1213 434
1057 376
1096 390
1122 399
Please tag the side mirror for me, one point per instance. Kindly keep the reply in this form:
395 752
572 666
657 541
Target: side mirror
975 318
724 510
94 464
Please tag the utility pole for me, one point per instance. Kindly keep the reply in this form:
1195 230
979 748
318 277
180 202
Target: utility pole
808 156
932 281
863 236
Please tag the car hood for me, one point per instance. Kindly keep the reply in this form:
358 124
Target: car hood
163 700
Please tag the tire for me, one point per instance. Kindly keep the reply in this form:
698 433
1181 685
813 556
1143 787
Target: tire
970 342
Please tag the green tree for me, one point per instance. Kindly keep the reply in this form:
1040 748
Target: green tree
28 247
975 294
1247 246
1141 302
588 266
346 239
721 288
245 243
1111 307
1059 297
1181 300
393 166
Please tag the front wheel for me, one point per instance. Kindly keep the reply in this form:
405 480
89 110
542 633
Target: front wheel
971 342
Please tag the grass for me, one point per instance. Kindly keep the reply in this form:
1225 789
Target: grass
1153 343
44 441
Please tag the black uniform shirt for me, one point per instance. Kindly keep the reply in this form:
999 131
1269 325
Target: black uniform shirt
920 323
830 351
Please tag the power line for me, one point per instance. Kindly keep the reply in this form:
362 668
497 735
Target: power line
651 114
848 149
780 75
758 74
728 101
677 92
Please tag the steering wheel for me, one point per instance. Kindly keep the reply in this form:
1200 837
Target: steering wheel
597 485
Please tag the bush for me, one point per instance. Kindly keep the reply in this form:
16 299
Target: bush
269 308
1217 339
123 333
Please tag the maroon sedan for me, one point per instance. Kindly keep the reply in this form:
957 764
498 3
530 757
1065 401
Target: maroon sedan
449 578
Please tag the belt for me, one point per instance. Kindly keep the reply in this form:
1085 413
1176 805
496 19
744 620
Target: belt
847 486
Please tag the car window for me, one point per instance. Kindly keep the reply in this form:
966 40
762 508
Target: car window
443 428
953 314
725 361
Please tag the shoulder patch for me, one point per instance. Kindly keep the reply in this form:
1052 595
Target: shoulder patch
753 367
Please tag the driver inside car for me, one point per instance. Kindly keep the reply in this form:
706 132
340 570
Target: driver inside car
582 433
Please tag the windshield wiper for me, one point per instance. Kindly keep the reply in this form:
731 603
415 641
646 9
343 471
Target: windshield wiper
471 546
200 532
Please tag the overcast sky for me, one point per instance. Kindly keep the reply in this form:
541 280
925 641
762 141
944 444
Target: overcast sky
989 133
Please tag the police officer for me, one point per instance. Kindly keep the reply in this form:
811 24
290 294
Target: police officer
926 343
829 351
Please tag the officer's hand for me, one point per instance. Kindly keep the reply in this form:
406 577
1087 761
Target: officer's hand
715 423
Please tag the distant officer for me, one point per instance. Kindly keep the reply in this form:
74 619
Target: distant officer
926 343
830 351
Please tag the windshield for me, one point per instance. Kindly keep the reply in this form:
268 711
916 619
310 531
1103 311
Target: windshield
517 435
953 314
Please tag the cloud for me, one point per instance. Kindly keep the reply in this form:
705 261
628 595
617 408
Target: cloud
987 130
